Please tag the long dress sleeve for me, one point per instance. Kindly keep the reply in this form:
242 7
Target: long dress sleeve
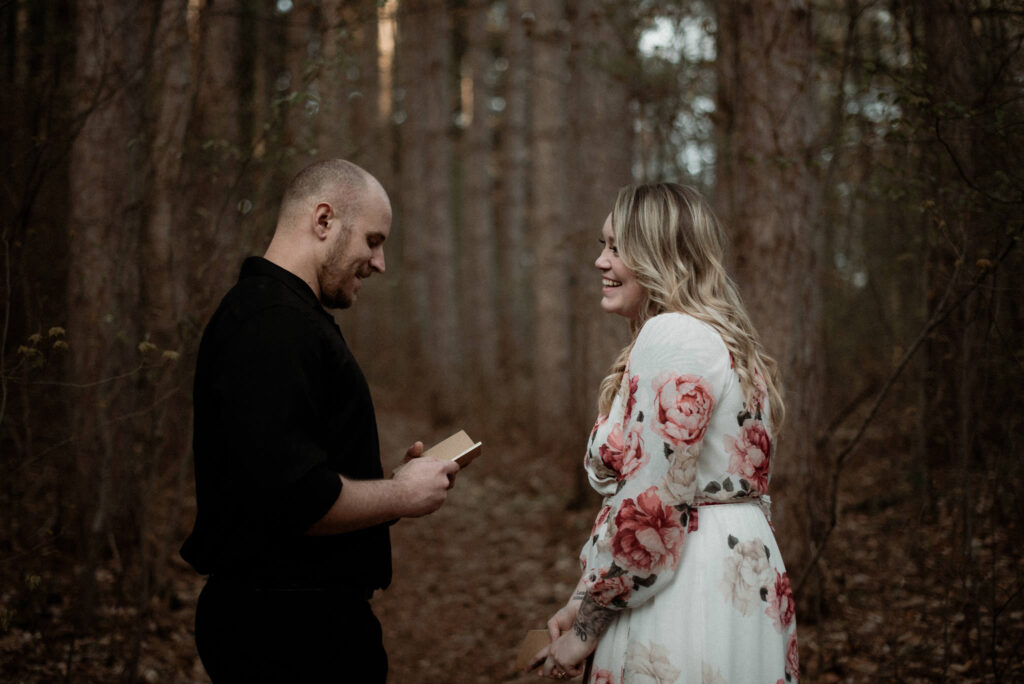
644 457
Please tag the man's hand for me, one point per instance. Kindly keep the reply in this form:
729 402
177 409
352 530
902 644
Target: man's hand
417 487
415 451
424 482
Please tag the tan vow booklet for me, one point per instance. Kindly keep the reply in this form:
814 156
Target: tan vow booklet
535 640
459 448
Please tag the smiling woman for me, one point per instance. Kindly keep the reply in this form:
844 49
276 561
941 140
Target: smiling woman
623 295
681 452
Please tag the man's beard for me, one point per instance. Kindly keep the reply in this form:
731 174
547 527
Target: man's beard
333 276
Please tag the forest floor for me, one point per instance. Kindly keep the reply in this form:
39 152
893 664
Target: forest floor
500 557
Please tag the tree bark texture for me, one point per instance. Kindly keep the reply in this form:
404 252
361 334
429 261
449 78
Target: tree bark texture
105 225
767 193
478 255
515 266
426 222
552 374
602 135
218 150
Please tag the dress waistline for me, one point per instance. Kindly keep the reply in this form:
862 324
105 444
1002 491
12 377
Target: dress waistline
763 501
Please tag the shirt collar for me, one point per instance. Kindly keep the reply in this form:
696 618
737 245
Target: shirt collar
259 266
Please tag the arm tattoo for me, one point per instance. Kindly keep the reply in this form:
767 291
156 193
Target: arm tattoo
592 620
579 595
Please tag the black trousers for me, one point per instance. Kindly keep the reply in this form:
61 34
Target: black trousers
251 635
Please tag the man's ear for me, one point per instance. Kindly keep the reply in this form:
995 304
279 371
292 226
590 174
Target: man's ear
322 220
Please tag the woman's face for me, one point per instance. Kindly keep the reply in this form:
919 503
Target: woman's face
623 295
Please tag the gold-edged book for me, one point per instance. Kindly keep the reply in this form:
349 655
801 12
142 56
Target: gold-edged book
459 448
535 640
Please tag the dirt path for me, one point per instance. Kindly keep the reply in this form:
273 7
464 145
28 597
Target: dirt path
500 557
469 581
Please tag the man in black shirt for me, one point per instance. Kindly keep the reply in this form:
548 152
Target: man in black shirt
292 507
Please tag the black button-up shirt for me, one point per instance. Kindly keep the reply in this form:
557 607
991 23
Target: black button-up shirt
281 408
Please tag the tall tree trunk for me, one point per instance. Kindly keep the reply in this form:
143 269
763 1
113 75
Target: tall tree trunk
367 142
218 151
105 225
38 128
767 193
426 218
334 82
602 137
553 388
305 43
952 68
478 257
515 261
164 256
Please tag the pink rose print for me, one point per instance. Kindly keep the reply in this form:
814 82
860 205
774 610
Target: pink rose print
756 400
602 677
682 406
781 607
649 535
633 454
793 658
606 590
745 571
750 454
634 385
624 456
680 481
611 450
590 441
602 516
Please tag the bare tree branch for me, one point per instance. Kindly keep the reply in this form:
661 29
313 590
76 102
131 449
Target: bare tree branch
942 312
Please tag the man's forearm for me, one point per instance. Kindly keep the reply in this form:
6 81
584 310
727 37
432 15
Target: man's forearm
419 487
360 504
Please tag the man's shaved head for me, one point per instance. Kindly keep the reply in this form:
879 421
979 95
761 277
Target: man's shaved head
334 181
331 229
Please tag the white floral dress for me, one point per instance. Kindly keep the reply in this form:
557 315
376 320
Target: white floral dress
682 547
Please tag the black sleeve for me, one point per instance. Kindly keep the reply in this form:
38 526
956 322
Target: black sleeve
268 400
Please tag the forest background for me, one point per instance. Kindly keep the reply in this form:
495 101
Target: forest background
866 157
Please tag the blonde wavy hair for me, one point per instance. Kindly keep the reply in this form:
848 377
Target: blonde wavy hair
673 244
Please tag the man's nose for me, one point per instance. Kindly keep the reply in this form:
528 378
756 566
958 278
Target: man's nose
377 262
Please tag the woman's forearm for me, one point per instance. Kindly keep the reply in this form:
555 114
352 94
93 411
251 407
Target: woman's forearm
592 620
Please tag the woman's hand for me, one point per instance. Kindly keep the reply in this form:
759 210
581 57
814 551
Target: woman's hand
566 656
558 624
561 622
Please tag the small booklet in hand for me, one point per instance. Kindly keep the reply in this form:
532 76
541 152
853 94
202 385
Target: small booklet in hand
459 448
535 640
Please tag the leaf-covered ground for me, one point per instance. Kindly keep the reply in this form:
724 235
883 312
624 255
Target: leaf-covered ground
500 557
